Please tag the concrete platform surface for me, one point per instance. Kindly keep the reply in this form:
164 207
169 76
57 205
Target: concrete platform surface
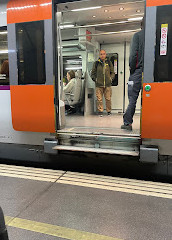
66 205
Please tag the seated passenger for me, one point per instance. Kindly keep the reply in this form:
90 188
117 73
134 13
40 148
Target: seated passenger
69 88
4 73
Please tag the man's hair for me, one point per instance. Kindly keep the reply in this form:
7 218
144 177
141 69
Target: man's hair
102 50
71 74
5 68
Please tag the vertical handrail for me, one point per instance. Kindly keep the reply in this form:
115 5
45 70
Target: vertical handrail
60 72
124 76
55 62
60 57
61 61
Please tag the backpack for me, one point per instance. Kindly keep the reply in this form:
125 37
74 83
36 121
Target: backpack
115 79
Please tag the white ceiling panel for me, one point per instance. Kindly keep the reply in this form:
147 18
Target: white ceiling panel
108 13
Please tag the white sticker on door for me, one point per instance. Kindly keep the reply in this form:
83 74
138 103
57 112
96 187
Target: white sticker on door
163 44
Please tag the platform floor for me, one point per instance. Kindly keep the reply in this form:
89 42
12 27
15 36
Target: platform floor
106 124
49 204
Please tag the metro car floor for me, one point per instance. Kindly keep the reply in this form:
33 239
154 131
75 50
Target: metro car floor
106 124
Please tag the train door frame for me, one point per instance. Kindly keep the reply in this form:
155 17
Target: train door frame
58 2
55 63
156 121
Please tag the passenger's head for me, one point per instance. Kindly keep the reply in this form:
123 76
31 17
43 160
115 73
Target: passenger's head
70 75
5 68
102 55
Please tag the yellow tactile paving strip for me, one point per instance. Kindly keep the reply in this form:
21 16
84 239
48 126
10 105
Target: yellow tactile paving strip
125 185
53 230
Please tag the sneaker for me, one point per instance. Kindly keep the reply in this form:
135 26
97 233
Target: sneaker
100 114
109 113
127 127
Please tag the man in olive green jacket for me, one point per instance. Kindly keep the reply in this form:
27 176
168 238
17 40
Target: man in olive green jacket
102 74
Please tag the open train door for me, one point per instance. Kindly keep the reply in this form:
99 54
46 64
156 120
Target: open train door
157 86
30 39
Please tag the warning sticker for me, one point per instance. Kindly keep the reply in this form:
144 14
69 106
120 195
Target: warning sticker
163 43
115 66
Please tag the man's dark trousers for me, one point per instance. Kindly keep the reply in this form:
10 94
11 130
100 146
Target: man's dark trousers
134 86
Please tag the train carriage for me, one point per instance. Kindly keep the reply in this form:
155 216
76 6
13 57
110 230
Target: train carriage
40 40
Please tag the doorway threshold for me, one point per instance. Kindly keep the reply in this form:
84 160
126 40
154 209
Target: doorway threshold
101 131
106 125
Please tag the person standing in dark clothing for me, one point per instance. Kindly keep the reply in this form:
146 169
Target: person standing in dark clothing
102 74
135 79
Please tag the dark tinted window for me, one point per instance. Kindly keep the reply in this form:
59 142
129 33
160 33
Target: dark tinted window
31 53
163 48
114 59
4 66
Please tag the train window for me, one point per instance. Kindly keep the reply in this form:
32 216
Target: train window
4 66
113 57
31 53
163 48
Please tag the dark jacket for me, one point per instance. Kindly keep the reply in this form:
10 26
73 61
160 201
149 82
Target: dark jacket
136 51
102 73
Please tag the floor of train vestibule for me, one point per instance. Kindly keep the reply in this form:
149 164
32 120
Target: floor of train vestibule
96 124
44 204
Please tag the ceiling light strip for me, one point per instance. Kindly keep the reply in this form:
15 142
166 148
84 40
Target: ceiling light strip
102 24
108 33
73 68
85 9
135 19
3 33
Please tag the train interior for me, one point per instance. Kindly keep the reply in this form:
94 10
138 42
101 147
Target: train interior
84 28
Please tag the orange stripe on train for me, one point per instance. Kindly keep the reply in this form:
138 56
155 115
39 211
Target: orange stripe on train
156 114
28 10
32 108
152 3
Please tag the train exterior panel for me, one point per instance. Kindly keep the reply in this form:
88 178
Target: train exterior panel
156 100
32 105
15 96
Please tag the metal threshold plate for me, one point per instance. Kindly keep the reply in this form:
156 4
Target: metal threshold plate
96 150
100 131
